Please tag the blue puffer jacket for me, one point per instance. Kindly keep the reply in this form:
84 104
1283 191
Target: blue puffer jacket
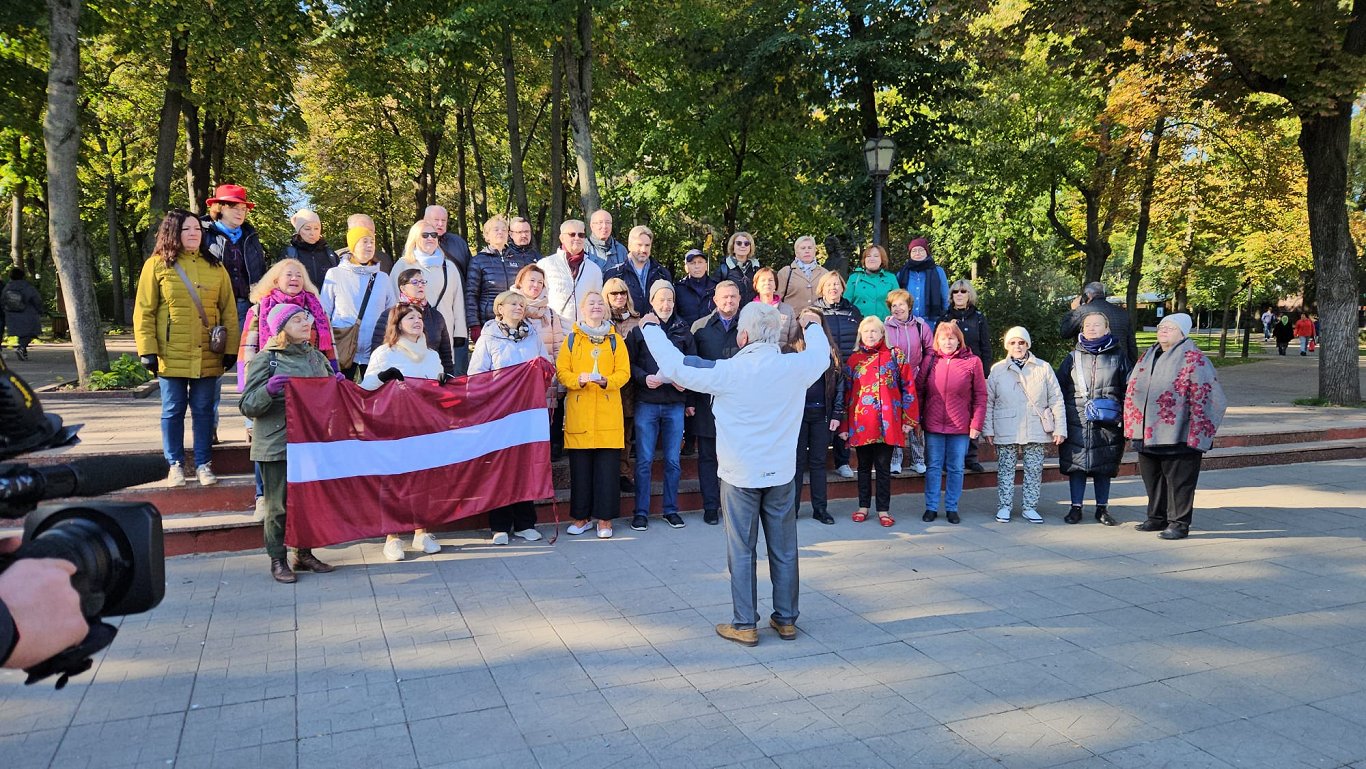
841 320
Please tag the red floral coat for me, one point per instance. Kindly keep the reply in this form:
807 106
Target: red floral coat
880 396
1173 399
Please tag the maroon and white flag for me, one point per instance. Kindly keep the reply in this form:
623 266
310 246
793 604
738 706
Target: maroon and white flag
412 454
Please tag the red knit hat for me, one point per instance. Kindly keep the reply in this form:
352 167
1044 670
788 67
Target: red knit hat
922 242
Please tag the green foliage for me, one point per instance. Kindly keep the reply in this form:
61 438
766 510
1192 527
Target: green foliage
1027 300
123 374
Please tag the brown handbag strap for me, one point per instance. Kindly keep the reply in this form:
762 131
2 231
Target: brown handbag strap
1025 386
194 295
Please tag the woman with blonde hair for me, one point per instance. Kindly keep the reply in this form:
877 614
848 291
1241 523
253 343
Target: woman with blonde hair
621 308
740 264
593 365
491 272
404 355
882 410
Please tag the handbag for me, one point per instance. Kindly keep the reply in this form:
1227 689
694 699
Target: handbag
346 340
1103 411
1046 417
218 335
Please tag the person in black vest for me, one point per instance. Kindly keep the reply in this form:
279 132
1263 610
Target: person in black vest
714 337
308 246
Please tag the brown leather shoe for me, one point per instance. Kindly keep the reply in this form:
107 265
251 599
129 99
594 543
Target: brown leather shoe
307 561
281 572
785 632
730 632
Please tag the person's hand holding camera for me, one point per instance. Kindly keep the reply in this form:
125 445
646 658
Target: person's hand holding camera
45 608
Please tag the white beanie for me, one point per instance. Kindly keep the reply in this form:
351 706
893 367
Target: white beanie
1019 332
301 217
660 284
1181 320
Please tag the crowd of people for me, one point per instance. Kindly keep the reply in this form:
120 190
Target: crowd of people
910 381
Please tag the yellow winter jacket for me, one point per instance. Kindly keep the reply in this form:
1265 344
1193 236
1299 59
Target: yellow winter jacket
166 323
592 414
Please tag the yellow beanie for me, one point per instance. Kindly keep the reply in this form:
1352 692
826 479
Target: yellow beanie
354 235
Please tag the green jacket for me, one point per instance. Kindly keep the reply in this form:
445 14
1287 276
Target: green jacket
268 411
167 325
868 291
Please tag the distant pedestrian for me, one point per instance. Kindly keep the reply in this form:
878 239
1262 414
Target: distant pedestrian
1268 317
1304 331
23 310
1283 331
1173 405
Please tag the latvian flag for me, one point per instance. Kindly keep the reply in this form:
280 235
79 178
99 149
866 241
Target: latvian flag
413 454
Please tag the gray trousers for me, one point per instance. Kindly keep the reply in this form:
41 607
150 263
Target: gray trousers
745 511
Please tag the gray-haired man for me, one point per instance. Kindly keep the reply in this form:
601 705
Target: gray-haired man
755 451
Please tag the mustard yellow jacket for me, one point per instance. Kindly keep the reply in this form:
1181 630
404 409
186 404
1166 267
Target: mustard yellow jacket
166 323
592 414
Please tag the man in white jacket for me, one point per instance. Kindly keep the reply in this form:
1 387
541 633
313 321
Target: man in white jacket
754 451
569 273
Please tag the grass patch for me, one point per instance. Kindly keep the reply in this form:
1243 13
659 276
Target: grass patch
1320 402
1210 346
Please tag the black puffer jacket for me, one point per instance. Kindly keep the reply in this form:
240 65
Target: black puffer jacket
1091 448
490 274
1120 328
714 342
976 331
643 363
741 274
317 258
841 322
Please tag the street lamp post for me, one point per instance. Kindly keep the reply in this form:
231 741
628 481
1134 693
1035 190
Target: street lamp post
877 156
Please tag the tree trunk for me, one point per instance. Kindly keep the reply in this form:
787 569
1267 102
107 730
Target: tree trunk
16 225
514 127
579 83
556 141
481 200
1145 204
168 130
462 190
62 139
1323 142
112 206
867 89
1097 251
1223 329
425 184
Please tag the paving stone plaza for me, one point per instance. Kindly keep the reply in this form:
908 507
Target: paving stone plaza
979 645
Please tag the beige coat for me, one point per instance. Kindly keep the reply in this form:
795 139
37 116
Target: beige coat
796 289
1016 399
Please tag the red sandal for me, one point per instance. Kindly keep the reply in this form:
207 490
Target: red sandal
885 519
860 516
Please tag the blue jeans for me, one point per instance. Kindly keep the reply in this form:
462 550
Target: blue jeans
460 356
944 452
199 395
746 510
1076 483
653 421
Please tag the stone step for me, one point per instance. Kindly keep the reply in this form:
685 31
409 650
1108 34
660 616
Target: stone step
192 527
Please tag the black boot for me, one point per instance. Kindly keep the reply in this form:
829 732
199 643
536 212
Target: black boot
823 517
1073 514
1103 515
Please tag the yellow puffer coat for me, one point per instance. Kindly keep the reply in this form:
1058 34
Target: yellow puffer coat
592 414
166 323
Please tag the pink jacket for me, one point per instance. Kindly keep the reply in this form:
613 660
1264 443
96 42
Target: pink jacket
914 337
953 392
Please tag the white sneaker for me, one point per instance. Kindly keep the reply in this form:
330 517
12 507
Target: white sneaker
1032 516
919 468
260 515
1003 515
500 538
530 535
845 471
426 543
205 475
576 529
176 477
895 469
393 549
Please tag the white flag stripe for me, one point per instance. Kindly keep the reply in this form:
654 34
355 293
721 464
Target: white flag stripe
330 460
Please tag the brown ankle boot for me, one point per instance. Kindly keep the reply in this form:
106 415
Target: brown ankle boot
281 572
305 560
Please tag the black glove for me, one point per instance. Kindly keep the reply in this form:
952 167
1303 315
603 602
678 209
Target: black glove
390 374
149 362
229 361
443 378
460 342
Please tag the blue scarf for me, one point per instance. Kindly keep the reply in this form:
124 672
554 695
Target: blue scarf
1095 346
234 234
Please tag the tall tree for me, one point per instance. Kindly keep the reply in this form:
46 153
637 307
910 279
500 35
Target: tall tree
578 64
62 137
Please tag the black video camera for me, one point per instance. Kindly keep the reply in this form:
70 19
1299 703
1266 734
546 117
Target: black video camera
117 547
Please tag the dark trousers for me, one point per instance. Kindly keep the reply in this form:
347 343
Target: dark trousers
706 472
557 427
971 456
518 516
879 456
273 481
1170 480
593 484
840 448
812 438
